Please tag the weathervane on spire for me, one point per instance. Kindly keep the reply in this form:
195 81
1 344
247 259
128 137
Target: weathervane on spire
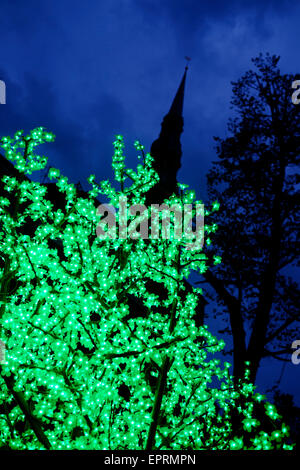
188 59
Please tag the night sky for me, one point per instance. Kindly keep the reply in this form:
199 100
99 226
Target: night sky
89 70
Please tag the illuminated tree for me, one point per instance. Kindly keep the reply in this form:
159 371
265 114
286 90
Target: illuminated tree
86 367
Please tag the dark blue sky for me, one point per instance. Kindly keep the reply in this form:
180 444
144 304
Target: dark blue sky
89 70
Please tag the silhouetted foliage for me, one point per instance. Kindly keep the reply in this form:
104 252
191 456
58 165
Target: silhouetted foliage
290 412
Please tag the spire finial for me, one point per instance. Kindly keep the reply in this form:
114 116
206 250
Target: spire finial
177 104
188 59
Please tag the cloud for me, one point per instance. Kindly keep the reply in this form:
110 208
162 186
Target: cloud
89 71
34 103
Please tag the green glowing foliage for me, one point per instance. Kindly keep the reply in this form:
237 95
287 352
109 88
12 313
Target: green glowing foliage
95 359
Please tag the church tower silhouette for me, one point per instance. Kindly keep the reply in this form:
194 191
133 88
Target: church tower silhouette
166 150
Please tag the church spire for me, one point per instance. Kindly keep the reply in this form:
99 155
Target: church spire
177 105
166 150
